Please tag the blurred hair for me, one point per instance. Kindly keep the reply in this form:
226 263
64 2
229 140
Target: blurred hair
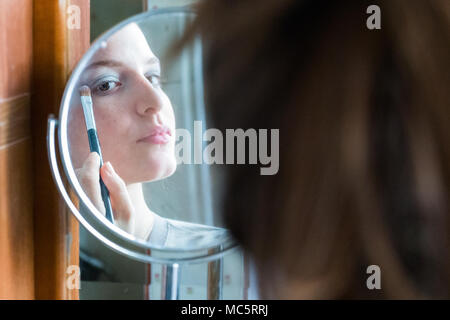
363 115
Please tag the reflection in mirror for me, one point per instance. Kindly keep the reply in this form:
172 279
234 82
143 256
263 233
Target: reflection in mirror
139 102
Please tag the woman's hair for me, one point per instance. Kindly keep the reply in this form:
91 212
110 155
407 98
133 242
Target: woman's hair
364 120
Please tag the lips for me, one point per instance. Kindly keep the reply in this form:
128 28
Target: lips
157 135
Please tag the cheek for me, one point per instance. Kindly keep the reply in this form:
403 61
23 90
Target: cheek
110 119
75 124
114 125
107 125
112 134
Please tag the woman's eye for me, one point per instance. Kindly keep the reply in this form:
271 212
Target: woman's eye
107 86
154 80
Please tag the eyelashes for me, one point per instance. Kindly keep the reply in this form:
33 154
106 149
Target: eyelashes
105 86
154 79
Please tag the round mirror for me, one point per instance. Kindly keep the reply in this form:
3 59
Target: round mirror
131 142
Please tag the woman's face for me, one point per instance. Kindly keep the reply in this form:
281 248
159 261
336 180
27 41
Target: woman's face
130 110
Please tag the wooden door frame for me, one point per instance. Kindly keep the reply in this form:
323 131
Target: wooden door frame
56 50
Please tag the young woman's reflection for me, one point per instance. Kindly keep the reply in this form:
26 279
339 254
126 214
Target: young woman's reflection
136 128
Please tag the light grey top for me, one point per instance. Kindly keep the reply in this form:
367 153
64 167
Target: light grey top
175 233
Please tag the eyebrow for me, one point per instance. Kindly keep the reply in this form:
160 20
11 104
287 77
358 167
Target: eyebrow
115 63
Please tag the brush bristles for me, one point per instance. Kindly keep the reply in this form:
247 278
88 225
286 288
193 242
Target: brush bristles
85 91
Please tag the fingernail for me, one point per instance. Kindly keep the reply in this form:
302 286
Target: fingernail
109 168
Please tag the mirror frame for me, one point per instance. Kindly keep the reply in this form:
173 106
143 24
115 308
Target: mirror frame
97 224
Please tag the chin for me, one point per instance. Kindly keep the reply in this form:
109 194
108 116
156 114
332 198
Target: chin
161 170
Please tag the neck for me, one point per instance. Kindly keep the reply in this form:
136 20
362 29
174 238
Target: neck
136 194
144 216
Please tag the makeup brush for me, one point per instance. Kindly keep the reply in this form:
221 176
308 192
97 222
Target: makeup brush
94 143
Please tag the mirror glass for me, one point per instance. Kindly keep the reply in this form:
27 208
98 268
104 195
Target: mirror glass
147 115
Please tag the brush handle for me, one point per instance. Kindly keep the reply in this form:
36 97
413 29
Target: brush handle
94 145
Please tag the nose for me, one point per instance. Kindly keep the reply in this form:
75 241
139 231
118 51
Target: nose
148 98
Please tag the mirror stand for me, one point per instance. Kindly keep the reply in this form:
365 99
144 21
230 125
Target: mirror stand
170 287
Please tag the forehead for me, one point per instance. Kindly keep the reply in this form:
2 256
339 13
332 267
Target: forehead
128 45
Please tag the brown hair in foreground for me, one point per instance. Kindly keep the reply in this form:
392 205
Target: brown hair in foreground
364 120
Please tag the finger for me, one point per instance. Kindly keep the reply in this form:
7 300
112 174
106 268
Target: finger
120 200
92 163
89 178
